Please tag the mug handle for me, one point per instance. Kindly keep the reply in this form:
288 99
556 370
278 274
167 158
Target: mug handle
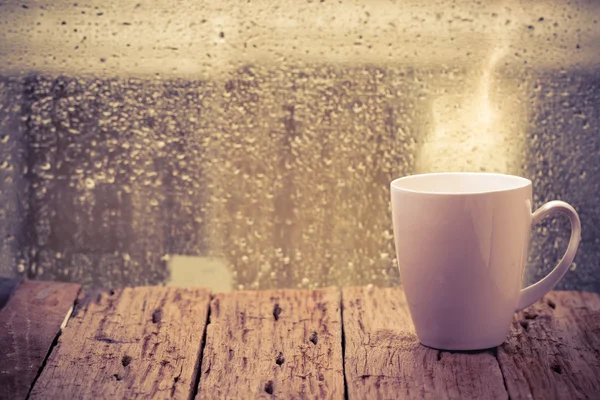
533 293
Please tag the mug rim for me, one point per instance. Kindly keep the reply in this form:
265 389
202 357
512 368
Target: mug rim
521 183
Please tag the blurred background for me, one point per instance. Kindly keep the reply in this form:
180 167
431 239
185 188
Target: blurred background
250 145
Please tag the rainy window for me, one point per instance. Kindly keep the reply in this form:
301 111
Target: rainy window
251 145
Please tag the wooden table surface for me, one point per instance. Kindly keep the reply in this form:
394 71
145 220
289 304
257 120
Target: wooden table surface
164 342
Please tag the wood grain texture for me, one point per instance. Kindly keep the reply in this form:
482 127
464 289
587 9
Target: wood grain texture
553 351
133 343
29 324
384 359
284 344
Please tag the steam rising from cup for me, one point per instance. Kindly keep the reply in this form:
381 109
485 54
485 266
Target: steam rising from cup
471 130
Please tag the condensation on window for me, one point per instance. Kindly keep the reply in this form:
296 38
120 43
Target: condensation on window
251 145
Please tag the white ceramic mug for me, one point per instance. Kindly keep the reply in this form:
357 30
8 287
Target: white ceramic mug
461 241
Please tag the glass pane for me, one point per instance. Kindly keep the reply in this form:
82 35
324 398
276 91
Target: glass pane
252 144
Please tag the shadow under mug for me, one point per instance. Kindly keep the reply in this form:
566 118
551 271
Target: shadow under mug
461 241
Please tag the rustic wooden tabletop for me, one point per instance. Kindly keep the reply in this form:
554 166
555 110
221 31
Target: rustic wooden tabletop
164 342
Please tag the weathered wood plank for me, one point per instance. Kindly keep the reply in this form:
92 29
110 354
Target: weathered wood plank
553 351
133 343
29 324
384 360
283 344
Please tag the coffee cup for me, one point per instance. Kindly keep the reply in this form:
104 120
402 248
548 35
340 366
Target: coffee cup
461 241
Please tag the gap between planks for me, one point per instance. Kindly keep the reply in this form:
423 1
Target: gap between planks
324 304
274 344
384 359
29 325
196 386
54 343
132 343
81 300
534 337
552 352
